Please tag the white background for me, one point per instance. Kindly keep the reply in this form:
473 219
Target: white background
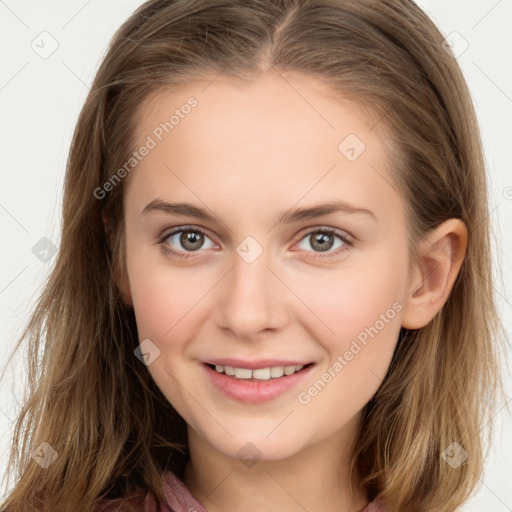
41 98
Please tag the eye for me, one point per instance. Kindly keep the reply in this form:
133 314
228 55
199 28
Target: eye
190 239
323 240
187 239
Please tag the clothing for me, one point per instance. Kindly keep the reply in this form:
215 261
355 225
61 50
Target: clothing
179 499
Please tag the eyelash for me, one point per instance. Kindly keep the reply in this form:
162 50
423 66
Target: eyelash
321 229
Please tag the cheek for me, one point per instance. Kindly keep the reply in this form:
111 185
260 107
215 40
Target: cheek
168 307
359 331
165 299
357 322
346 305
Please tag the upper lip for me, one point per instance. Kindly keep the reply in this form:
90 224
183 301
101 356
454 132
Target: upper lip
256 364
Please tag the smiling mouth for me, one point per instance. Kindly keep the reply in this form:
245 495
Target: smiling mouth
260 374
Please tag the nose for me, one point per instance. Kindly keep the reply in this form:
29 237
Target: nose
252 299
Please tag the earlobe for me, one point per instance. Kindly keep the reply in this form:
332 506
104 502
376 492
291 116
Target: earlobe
440 259
123 286
120 277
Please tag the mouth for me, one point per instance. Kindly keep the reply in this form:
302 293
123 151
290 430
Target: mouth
259 374
264 382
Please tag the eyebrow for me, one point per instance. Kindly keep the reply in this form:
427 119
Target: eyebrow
288 216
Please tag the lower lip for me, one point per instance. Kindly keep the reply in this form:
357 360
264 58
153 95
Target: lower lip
253 392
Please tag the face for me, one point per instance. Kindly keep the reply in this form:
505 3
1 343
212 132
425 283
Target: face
247 285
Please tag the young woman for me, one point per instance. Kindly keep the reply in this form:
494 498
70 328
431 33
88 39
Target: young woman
274 286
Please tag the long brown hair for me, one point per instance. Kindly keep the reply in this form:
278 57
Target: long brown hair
88 396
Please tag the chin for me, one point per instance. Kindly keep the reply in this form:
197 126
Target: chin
251 448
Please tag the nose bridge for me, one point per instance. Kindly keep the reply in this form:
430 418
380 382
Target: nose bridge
252 297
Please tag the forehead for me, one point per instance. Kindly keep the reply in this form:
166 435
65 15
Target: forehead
259 139
291 105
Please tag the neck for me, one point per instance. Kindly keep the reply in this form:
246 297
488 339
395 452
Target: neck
314 478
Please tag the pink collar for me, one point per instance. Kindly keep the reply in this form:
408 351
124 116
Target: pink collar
179 499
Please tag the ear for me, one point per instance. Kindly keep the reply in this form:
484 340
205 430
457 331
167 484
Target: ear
431 281
120 277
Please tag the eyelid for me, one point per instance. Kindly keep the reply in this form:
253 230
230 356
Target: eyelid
335 231
185 227
303 233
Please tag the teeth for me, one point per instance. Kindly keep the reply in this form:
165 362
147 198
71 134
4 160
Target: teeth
288 370
261 374
273 372
243 373
276 371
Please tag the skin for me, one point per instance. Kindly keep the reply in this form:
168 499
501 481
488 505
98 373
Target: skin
247 152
